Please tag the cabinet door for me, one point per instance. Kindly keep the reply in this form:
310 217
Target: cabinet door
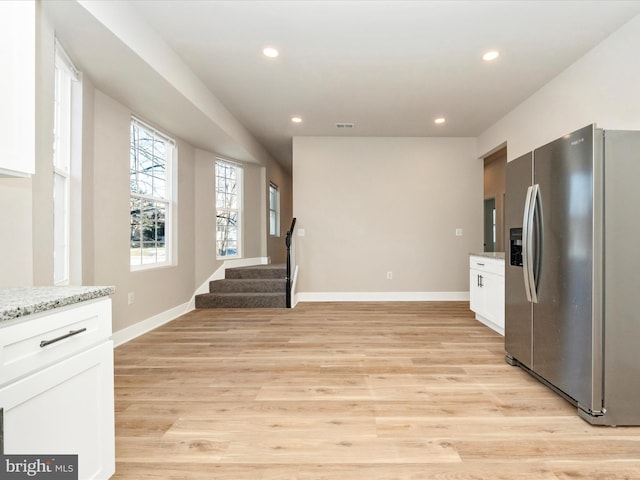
17 88
66 408
490 292
476 294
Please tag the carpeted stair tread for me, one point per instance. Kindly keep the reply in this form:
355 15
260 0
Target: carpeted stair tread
257 271
248 285
241 300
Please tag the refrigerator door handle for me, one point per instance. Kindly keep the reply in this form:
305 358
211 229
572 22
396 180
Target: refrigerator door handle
526 240
535 199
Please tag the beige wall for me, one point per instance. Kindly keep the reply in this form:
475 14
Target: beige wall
159 289
254 218
375 205
205 217
42 180
16 261
86 209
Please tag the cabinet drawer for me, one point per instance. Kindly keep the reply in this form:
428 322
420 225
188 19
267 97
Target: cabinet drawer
487 265
66 408
50 337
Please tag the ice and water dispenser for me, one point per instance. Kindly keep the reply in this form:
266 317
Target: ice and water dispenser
515 246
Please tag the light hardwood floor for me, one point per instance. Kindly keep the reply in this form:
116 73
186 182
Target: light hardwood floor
347 391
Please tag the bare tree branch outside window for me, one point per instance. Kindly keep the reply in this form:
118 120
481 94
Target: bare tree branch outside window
150 195
228 198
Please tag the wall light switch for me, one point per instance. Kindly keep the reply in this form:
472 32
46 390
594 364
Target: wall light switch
301 232
131 298
458 232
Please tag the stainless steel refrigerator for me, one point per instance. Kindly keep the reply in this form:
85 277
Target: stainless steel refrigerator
572 271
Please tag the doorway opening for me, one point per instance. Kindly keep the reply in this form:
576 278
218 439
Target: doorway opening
489 224
494 193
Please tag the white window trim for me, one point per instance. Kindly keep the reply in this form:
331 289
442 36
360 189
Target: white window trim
171 220
276 210
68 270
239 210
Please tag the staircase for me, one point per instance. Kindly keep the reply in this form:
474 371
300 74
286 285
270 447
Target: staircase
259 286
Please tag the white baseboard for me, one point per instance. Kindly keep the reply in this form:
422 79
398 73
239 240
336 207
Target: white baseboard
126 334
382 297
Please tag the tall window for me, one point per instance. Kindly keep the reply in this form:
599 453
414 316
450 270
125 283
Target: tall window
66 86
228 208
151 181
274 210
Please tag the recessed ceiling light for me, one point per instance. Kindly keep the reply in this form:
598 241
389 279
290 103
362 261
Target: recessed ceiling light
439 120
490 56
296 119
270 52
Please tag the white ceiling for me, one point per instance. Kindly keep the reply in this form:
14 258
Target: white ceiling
390 67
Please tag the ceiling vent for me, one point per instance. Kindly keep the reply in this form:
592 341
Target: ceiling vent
344 125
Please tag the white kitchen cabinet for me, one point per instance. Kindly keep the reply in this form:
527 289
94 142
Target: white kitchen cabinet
57 398
17 87
486 291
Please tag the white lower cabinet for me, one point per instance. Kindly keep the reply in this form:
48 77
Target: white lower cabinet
65 407
486 291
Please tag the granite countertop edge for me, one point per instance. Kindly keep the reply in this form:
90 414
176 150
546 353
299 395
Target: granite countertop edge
17 302
494 255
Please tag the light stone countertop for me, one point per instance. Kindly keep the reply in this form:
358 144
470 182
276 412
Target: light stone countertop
494 255
16 302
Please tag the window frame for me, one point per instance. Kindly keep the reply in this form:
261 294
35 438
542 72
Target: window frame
274 210
66 159
228 210
168 201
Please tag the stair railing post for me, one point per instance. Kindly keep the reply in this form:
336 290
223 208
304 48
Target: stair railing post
288 240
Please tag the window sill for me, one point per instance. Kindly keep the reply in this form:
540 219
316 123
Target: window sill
228 257
155 266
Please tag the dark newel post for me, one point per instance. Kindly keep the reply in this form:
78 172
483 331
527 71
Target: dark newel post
288 278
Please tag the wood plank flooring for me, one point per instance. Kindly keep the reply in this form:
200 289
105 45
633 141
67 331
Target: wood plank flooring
347 391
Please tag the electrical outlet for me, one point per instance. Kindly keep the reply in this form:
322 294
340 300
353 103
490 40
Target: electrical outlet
301 232
131 298
389 275
458 232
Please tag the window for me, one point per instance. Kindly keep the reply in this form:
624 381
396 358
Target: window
152 193
228 208
65 132
274 210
